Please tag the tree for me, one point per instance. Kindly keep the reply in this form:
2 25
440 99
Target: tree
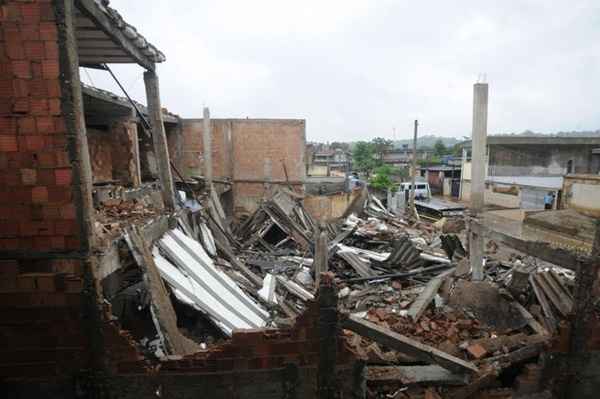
363 156
439 148
383 176
380 146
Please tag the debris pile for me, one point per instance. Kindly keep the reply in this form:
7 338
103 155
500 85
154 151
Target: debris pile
409 307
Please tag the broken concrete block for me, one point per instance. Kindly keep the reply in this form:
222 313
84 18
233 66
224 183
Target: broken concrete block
477 351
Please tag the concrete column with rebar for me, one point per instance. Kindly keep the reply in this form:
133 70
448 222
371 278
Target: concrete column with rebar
478 145
207 147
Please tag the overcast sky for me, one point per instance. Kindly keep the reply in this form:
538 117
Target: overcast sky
355 69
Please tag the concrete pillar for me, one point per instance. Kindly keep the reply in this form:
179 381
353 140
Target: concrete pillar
321 259
478 165
479 139
207 146
159 139
414 173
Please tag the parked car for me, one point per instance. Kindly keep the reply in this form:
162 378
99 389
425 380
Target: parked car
422 190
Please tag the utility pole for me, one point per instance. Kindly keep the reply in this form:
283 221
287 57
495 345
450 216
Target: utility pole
413 183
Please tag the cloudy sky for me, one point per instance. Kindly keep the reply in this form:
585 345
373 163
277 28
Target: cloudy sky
356 69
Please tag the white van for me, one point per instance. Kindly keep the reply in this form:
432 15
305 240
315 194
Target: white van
422 190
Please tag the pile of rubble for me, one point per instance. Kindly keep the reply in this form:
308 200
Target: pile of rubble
409 307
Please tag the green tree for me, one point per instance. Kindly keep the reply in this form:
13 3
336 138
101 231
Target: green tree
383 176
380 146
439 148
363 156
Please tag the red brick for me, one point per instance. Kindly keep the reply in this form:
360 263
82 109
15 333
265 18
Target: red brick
8 143
31 12
51 50
63 177
53 88
3 160
28 177
58 242
50 212
11 12
39 106
30 32
21 69
45 124
65 227
46 159
8 229
36 70
42 243
21 105
40 228
48 31
54 106
11 179
6 106
50 69
20 87
68 212
39 195
477 351
35 50
59 194
8 126
6 89
59 125
46 177
73 243
34 143
9 244
15 50
38 88
62 159
26 125
47 12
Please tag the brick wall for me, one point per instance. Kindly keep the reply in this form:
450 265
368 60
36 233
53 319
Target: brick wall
250 152
36 196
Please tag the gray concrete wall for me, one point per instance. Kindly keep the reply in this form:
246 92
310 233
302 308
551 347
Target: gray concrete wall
541 160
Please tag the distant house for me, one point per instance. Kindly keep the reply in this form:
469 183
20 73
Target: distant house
326 161
520 170
402 156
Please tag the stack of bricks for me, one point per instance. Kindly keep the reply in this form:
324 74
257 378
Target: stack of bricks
36 205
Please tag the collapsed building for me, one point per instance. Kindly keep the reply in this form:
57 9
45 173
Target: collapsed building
123 276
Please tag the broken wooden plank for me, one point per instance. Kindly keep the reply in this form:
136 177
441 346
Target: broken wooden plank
534 345
564 298
407 345
162 311
551 321
410 375
551 294
531 321
420 304
361 267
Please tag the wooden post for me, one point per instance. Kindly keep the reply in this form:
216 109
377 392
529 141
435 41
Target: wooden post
328 332
159 139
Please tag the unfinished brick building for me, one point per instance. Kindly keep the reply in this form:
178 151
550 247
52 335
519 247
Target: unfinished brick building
67 154
248 155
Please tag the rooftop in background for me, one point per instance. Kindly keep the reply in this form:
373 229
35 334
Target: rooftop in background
103 36
539 140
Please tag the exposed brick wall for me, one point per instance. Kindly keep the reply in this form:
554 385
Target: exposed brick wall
36 196
248 151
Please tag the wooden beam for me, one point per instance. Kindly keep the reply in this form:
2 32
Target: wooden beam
412 375
420 304
91 10
94 60
531 321
96 52
407 345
